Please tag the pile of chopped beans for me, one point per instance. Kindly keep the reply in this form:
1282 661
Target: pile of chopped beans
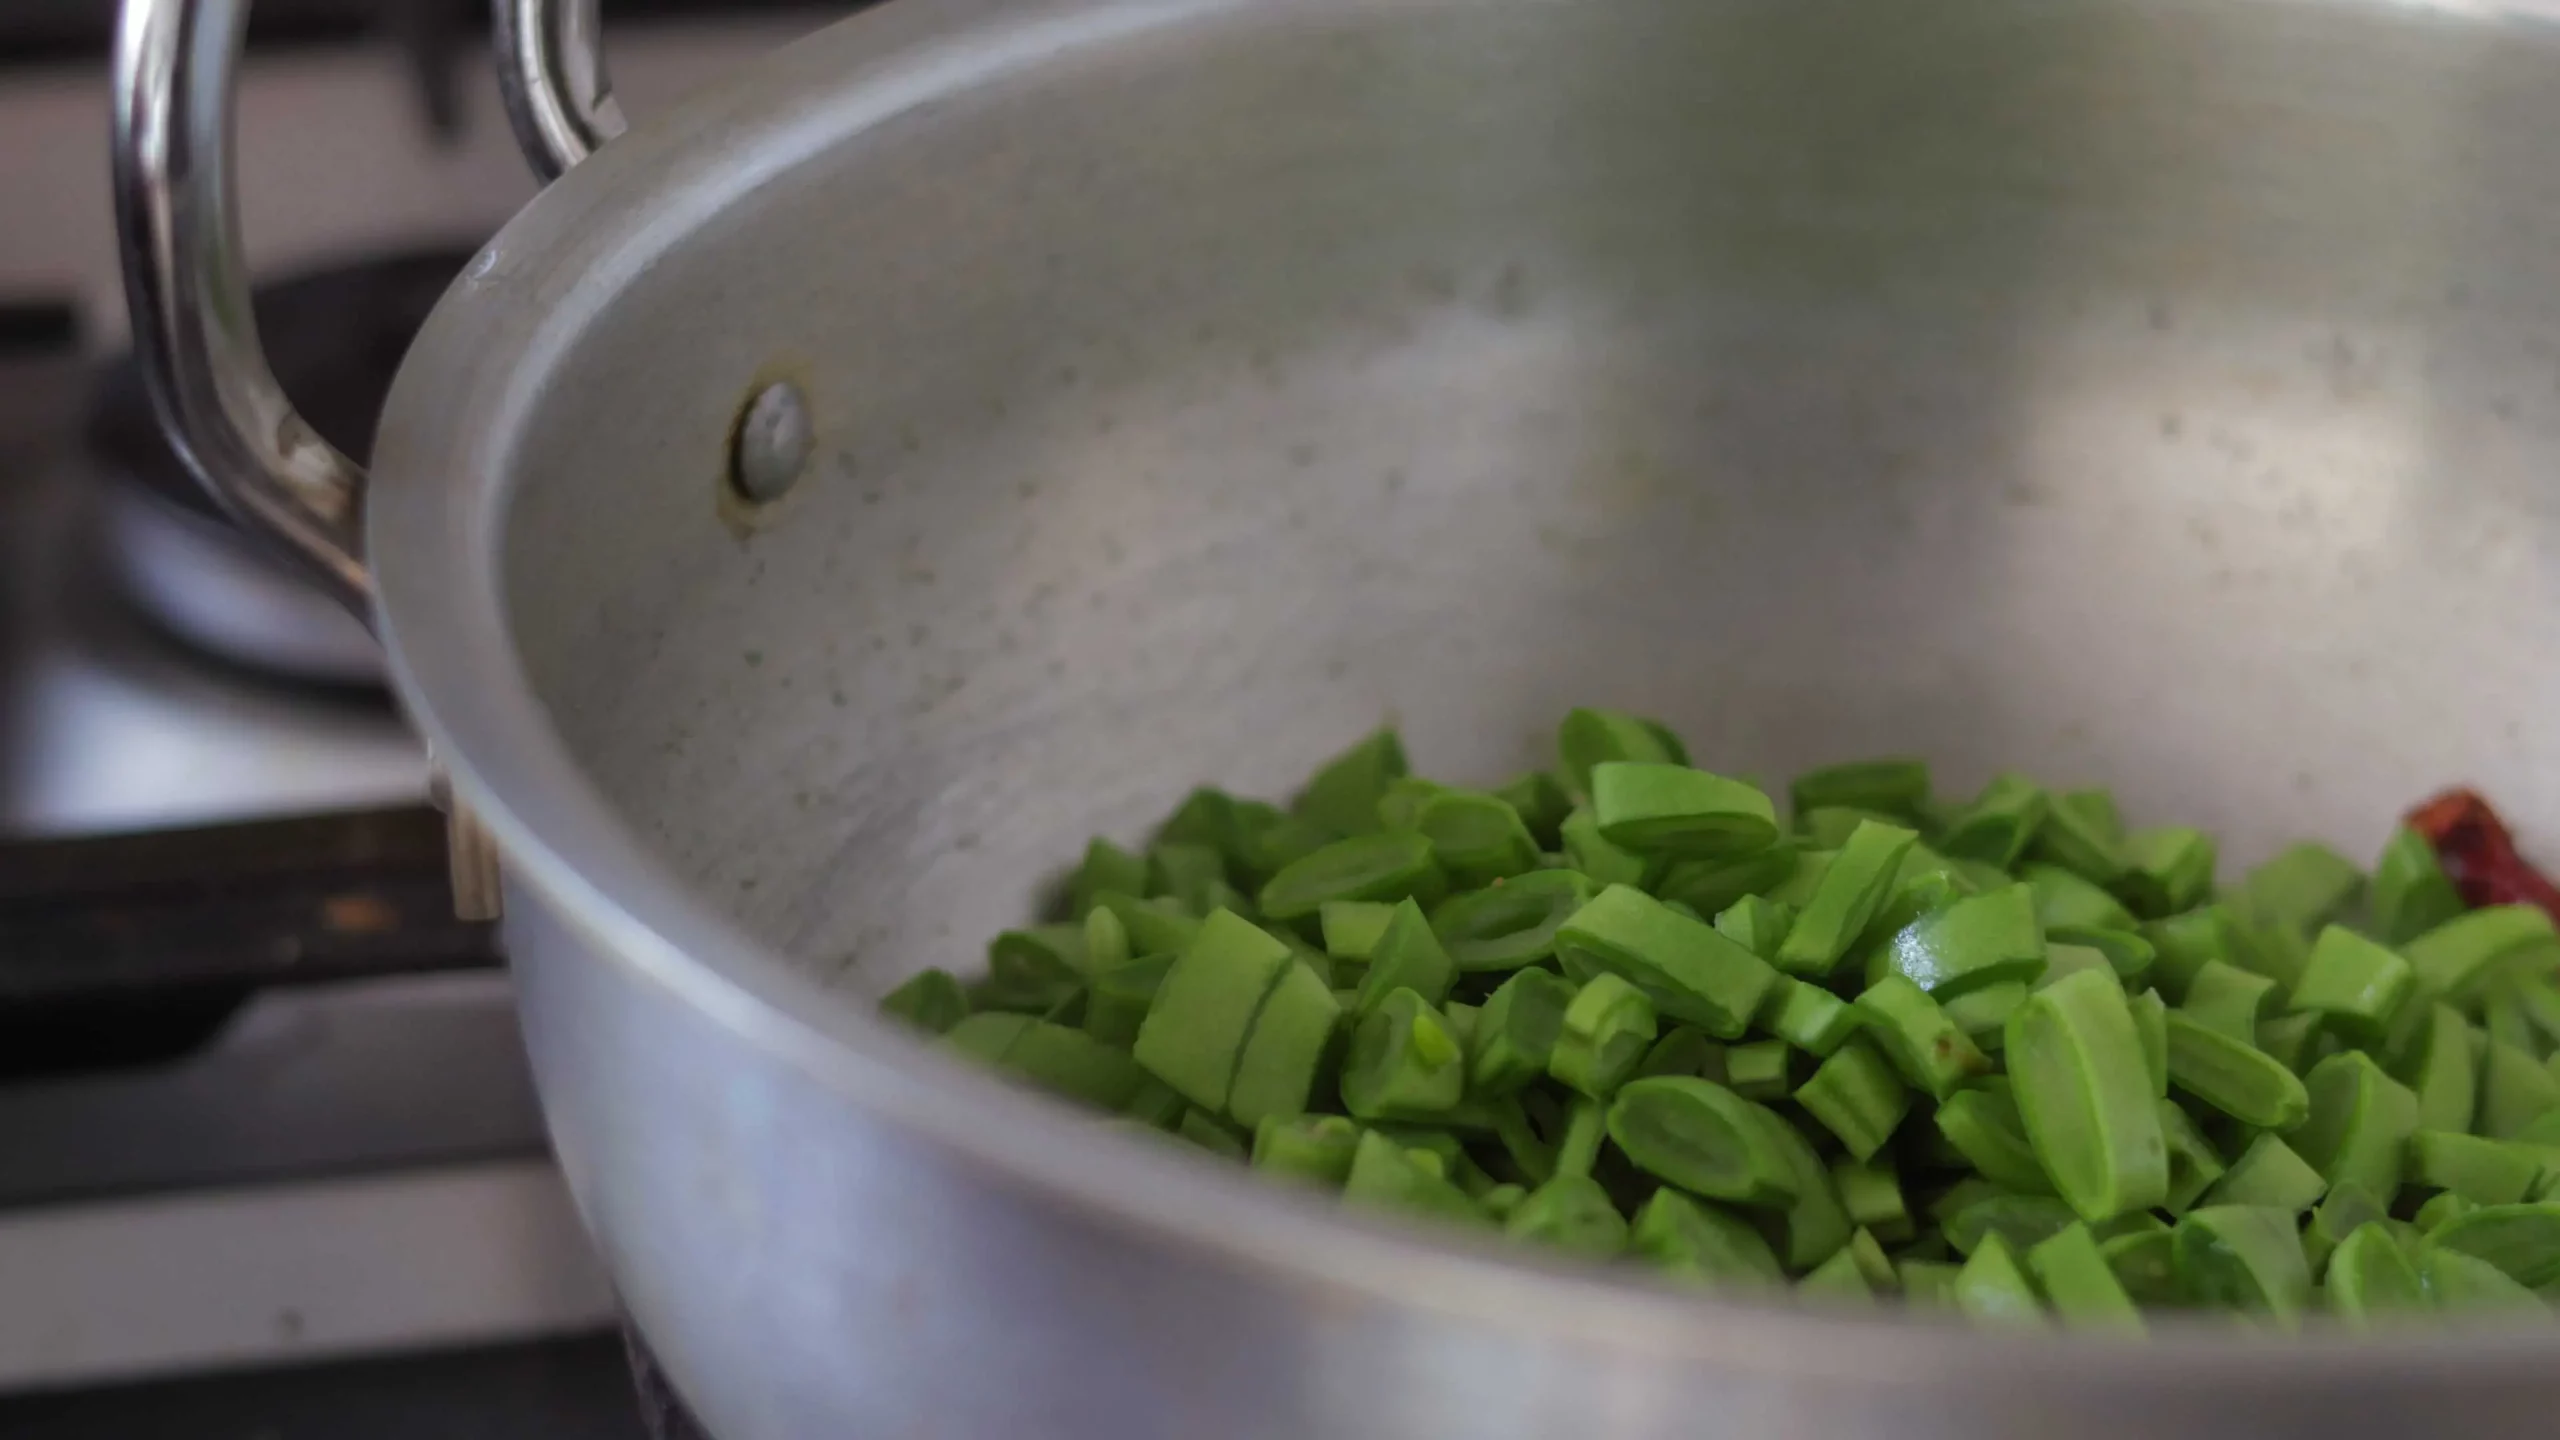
2003 1057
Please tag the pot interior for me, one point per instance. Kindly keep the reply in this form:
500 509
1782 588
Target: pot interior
2158 395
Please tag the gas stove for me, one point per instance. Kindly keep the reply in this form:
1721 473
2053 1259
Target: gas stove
270 1158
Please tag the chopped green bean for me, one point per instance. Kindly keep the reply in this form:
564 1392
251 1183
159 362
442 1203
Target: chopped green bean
2234 1077
1196 875
1511 924
2369 1276
2445 1071
1607 1028
2246 1258
1291 1036
1656 809
2271 1176
1121 997
2151 1023
2305 886
1516 1032
1352 927
2194 1165
1830 827
1478 838
1541 802
2347 1208
1400 804
2085 1094
2411 893
2287 1039
1212 1134
2072 1271
1755 923
1808 1017
1984 1126
1983 1015
1343 795
1588 851
1872 1196
1699 1242
2459 1282
1684 1050
1194 1034
1106 867
2183 943
1572 1213
1030 971
2455 958
1998 824
2480 1170
1315 1148
1712 886
2229 999
2021 1220
2082 834
1703 1138
1156 927
1992 1288
2064 961
1403 1063
1857 1097
2521 1240
2442 1209
1977 941
1932 1053
1407 957
1927 1284
2064 898
1589 737
2515 1090
1895 785
1858 881
2360 1124
1762 1070
1838 1280
1387 865
2167 869
931 1000
1689 971
1817 1224
2145 1264
1387 1176
2352 984
1106 941
1802 879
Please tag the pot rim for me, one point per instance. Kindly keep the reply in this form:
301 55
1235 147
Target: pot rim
435 529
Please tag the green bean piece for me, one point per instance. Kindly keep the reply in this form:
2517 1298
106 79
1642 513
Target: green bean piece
2167 869
1817 1224
1578 1148
2521 1240
2445 1071
1388 865
2480 1170
2021 1220
1194 1034
1684 1050
1894 785
2440 1210
987 1035
2504 1019
1511 924
1196 875
1838 1280
2082 834
1280 844
2287 1039
1403 1063
1926 1284
2085 1095
1984 1126
2234 1077
1156 927
2063 897
1998 824
1992 1288
2276 950
1857 882
931 1000
1689 971
2539 999
1478 838
1499 1202
1712 886
2183 943
1763 1070
1529 1153
2062 961
1313 1148
1699 1242
2354 985
1872 1195
1516 1032
2246 1258
2360 1124
1653 809
2145 1264
1875 1267
1857 1097
1121 997
1352 927
1155 1105
1589 738
1541 802
1031 971
1929 1049
2194 1165
2455 958
1212 1134
1607 1028
2229 999
1106 867
1702 1137
1572 1213
1977 941
1206 816
2151 1023
1400 804
1803 877
2305 886
1291 1039
2411 893
2369 1276
1830 827
1808 1017
1386 1176
2271 1176
1588 851
1407 957
1945 1206
2347 1208
2073 1272
1755 923
1343 794
1983 1015
2515 1090
1106 941
2459 1282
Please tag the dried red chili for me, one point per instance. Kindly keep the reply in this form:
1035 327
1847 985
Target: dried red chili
2479 854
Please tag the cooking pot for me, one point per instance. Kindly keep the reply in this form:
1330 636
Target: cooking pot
830 502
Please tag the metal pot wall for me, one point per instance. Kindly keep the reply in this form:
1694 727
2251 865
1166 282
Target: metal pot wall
2161 393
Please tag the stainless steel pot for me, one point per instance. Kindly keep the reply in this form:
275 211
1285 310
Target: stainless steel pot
2163 394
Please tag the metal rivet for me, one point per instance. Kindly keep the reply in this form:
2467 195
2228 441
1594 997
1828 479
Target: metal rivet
773 443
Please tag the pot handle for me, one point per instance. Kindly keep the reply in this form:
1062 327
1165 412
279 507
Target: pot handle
551 74
178 234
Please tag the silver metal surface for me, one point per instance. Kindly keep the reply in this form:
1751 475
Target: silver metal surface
2160 394
551 73
188 293
212 586
774 443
